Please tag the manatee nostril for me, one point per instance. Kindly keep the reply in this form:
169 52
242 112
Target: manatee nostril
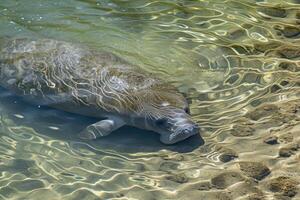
187 110
194 129
186 131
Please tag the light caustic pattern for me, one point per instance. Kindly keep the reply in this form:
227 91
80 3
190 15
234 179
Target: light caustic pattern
236 61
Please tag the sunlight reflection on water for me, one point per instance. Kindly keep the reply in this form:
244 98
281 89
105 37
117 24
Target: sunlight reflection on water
236 61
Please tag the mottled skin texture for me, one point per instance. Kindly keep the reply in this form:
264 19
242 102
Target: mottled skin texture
94 83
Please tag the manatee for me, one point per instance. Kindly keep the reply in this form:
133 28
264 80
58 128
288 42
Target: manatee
86 81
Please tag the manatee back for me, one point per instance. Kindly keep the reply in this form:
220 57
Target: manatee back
29 66
54 71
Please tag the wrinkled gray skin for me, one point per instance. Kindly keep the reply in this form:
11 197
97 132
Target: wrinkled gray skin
94 83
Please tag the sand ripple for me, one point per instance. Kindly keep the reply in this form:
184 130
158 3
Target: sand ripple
236 61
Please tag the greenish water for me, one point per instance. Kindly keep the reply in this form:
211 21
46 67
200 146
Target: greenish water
238 64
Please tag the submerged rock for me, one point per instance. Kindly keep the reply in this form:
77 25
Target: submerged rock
232 79
284 185
273 11
285 51
254 170
284 83
275 88
288 150
204 186
178 178
271 140
262 111
228 155
226 179
290 66
242 131
262 47
288 31
285 152
236 34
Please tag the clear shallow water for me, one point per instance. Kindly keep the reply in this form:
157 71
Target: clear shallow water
238 63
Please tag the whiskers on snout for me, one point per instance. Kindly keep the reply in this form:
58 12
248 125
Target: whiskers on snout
175 129
181 132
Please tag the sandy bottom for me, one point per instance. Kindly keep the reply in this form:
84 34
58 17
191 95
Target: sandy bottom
258 158
237 62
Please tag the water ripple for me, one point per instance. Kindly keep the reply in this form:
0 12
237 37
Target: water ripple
236 61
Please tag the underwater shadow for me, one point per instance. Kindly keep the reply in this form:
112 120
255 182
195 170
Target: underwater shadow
132 140
66 126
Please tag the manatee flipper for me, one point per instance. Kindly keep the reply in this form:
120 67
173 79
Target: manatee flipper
101 128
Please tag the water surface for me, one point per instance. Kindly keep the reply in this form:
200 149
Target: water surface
236 61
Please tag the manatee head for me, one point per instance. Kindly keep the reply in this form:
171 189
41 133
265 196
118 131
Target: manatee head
174 127
166 113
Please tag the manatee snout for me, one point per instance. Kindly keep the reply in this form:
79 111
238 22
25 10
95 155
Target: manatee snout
175 128
188 130
180 129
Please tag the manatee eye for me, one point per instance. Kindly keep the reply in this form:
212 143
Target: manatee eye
161 122
187 110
